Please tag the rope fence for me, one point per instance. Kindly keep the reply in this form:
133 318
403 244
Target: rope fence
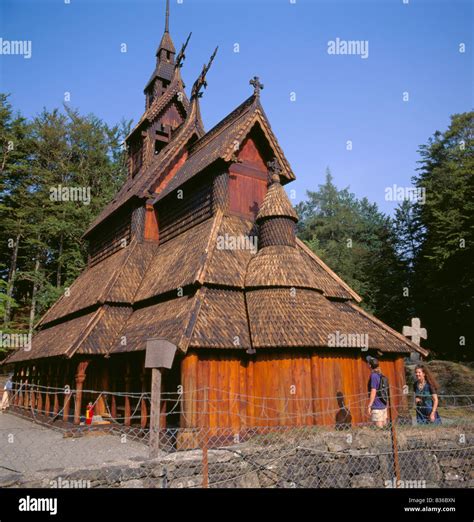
34 398
217 438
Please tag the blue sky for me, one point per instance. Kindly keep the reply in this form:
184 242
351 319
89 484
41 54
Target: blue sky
413 48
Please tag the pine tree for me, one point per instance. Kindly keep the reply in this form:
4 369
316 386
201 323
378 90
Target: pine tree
43 235
444 262
357 241
15 148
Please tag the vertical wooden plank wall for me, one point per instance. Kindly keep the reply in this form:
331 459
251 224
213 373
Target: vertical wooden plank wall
247 181
274 389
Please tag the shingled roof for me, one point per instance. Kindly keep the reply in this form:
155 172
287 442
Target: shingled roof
221 142
276 203
279 297
141 185
186 288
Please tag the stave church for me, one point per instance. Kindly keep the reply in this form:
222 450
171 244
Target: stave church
198 250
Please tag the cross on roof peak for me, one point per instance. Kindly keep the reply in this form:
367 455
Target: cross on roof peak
257 85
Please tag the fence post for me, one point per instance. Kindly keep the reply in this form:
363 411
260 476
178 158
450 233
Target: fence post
155 412
205 462
204 444
396 464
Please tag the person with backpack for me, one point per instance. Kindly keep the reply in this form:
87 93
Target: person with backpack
426 396
378 393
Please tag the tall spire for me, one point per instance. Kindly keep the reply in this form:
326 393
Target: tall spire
165 63
166 43
167 19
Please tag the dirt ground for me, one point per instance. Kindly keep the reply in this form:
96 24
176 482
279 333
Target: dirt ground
26 447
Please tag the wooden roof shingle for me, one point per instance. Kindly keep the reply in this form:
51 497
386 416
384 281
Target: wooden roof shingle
115 279
220 143
276 204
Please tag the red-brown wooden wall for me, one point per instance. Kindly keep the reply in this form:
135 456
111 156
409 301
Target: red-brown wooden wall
248 181
298 388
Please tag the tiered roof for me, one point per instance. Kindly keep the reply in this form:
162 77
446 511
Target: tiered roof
193 293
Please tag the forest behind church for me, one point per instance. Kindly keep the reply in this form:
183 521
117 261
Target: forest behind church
417 263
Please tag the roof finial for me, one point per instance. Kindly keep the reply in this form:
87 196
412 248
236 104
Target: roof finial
257 85
274 171
201 81
167 19
181 56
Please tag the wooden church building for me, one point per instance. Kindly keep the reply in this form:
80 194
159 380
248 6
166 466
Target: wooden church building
198 248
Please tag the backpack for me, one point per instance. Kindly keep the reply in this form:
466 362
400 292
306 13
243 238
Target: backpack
383 389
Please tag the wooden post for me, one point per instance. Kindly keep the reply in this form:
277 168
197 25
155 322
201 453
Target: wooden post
113 401
67 404
159 354
104 386
128 409
113 389
67 396
205 430
47 381
155 413
143 406
32 387
396 464
205 462
25 391
19 397
56 392
80 378
39 390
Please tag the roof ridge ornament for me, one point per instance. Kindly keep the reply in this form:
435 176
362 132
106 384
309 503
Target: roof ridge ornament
201 80
181 56
257 85
274 171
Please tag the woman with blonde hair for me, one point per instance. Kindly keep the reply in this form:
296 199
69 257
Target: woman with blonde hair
426 396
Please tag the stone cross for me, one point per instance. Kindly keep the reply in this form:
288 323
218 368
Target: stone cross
257 85
414 331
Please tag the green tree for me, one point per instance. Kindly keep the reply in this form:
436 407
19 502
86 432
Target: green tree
15 149
43 235
358 242
444 261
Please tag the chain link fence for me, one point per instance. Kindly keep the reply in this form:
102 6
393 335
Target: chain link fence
39 449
